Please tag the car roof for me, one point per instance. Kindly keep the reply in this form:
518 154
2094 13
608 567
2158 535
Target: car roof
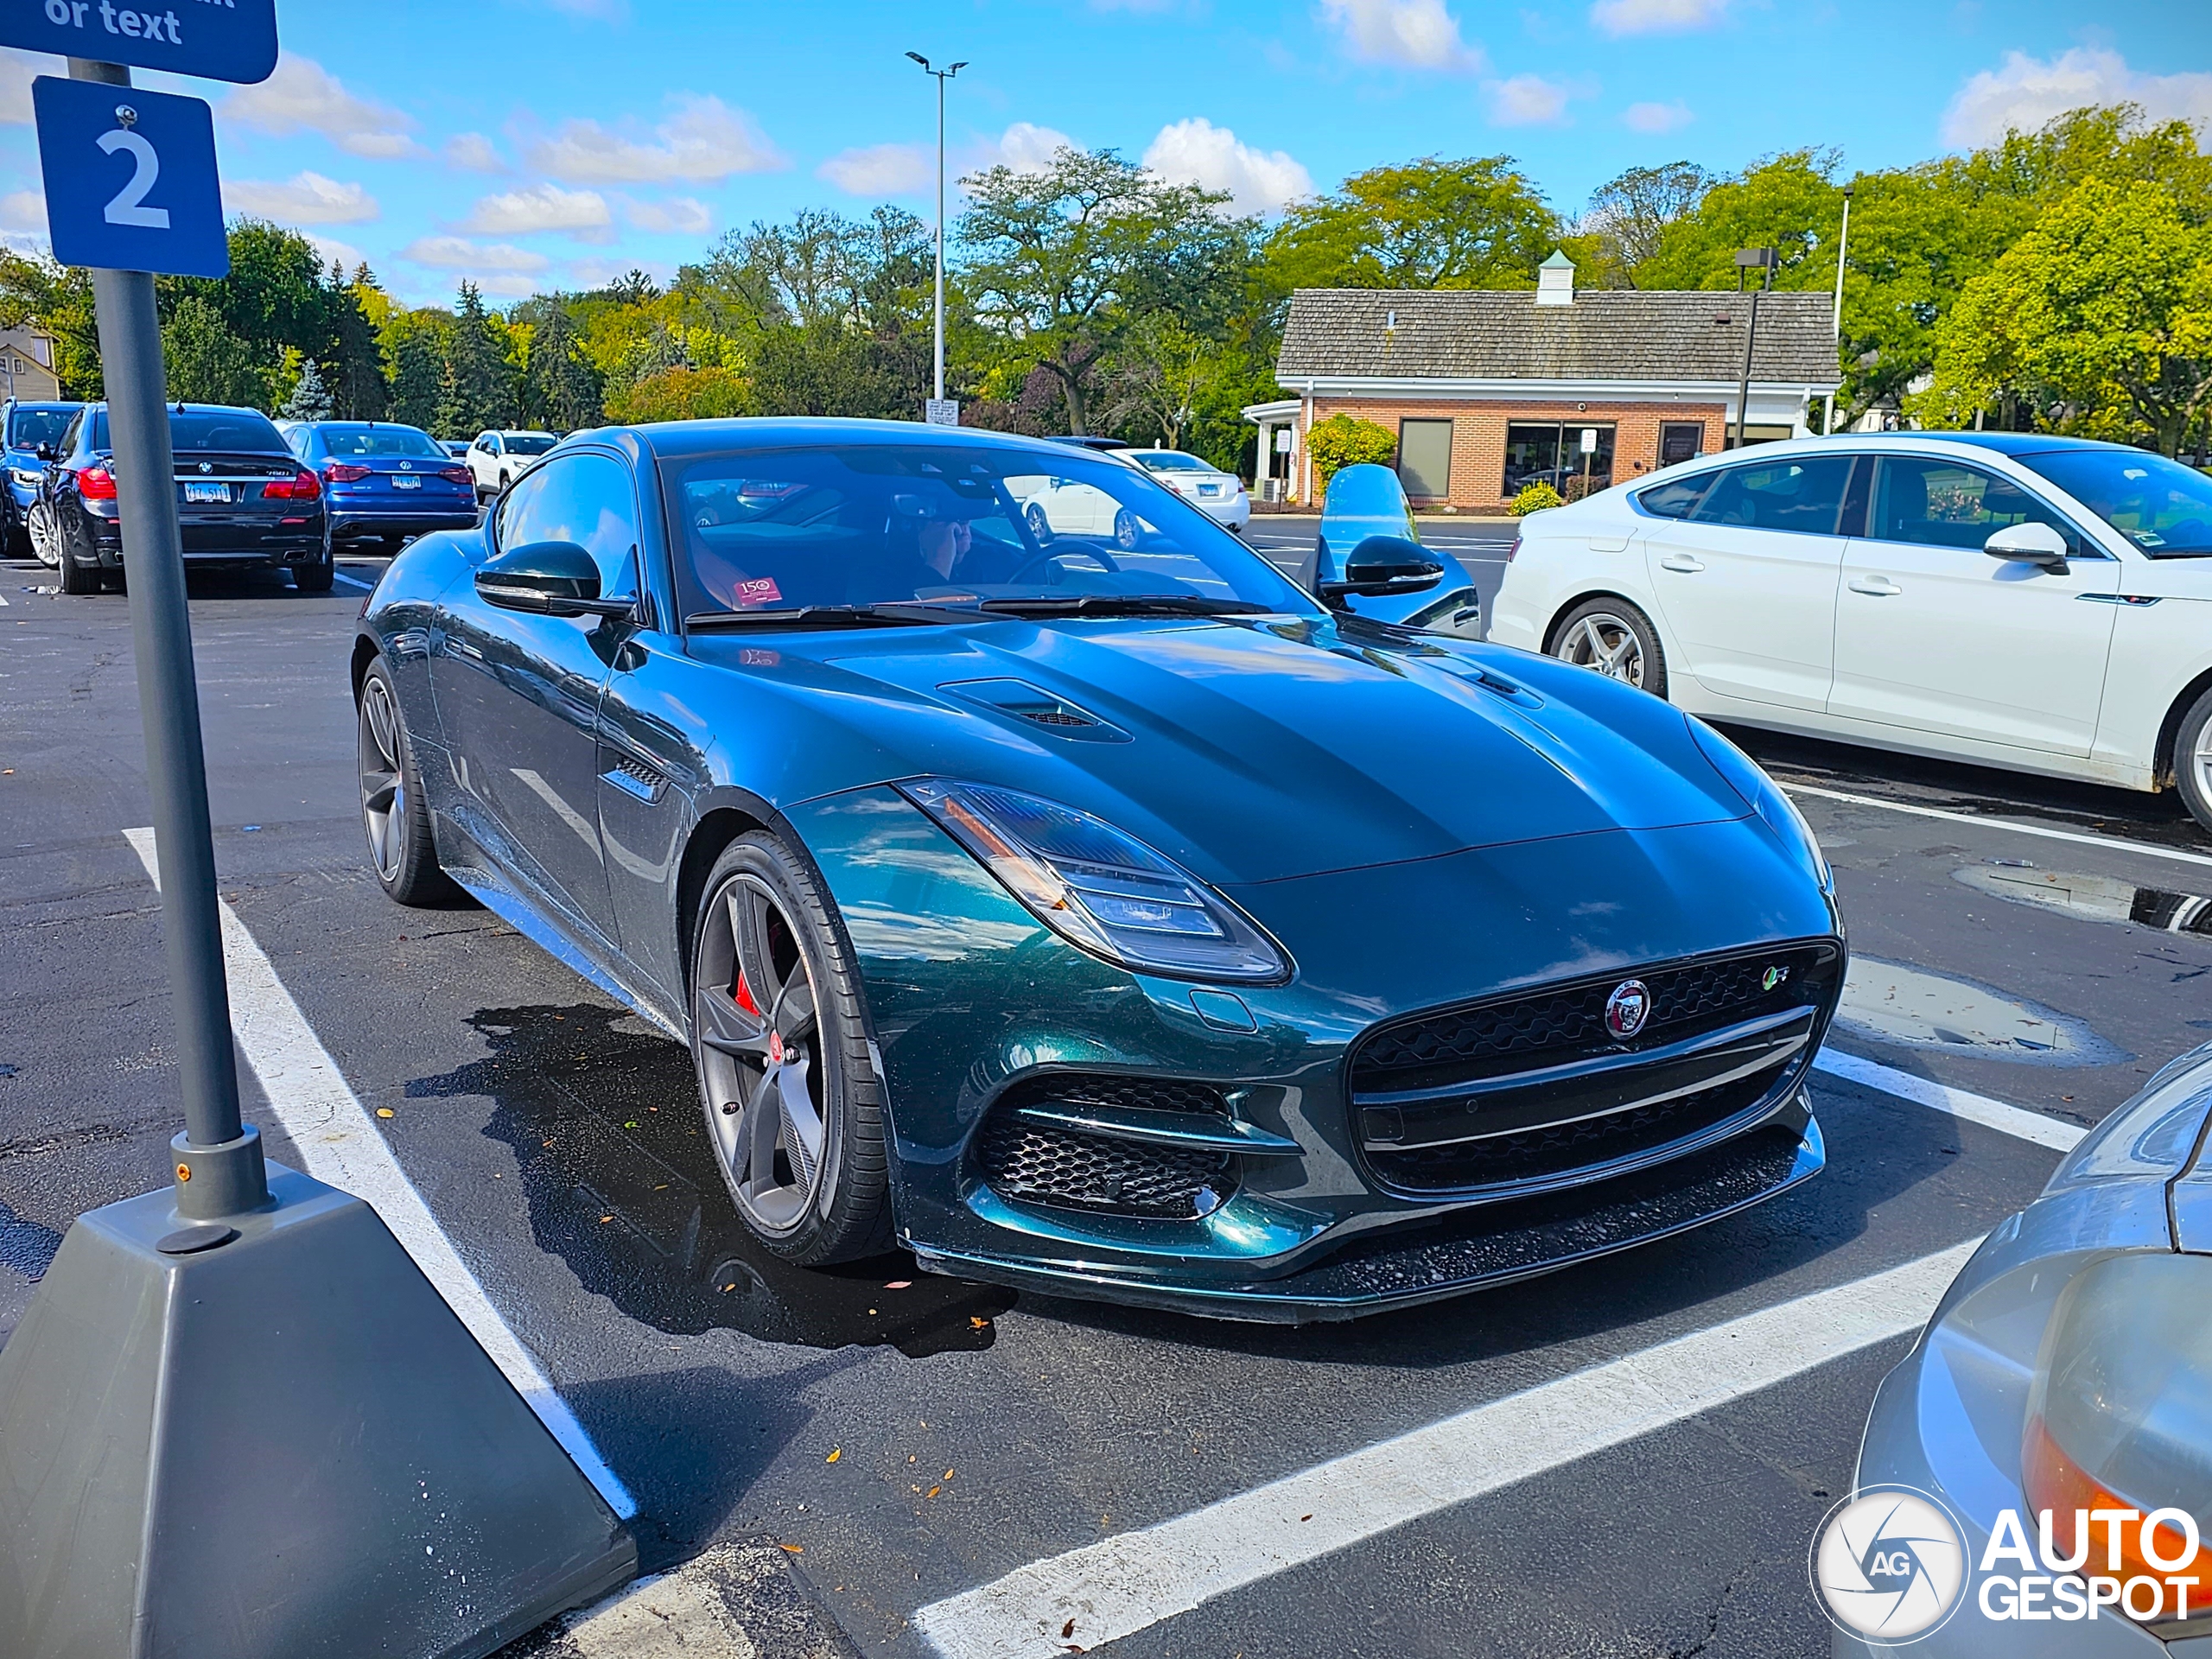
685 440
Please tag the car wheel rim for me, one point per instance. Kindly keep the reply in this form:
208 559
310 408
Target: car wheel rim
1125 530
384 786
1605 644
759 1030
2203 762
1039 526
39 526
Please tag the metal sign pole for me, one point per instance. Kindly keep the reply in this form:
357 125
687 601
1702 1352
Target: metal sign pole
218 1160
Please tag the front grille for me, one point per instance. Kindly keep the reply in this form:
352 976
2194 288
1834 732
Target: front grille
1554 1148
1532 1029
1039 1163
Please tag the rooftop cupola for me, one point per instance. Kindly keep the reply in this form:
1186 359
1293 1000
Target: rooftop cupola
1555 280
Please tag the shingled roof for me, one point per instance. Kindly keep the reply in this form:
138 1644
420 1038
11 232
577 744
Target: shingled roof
1605 334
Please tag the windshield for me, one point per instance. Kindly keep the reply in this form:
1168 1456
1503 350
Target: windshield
1172 461
2162 506
366 439
232 429
31 427
528 443
874 524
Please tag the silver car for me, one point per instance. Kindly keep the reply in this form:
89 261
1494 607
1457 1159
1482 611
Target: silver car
2069 1369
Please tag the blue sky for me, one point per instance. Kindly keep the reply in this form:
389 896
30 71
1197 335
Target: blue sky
535 144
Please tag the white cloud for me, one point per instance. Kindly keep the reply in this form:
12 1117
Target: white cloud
1619 18
17 71
1656 117
881 170
331 249
541 207
1024 146
1526 101
457 253
473 152
703 141
684 214
304 97
1415 34
2025 92
303 199
23 210
1197 152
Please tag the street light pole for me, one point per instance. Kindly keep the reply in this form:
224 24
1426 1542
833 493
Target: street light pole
1746 259
940 76
1842 248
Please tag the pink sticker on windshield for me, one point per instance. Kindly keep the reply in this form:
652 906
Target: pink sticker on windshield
759 591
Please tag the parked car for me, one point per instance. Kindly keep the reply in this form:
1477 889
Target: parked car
1053 505
1369 500
497 459
1093 919
1218 494
1093 440
2015 601
28 433
384 482
243 500
457 448
2066 1371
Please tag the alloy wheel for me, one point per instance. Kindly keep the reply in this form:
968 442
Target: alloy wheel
759 1026
384 782
46 544
2201 761
1606 644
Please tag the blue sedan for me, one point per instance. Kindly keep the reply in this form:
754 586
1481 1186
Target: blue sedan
384 483
1099 913
31 434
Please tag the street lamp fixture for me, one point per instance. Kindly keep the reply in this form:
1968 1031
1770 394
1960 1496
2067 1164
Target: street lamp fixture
940 76
1761 260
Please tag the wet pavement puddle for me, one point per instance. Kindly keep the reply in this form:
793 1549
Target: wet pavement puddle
1892 1003
604 1119
2092 898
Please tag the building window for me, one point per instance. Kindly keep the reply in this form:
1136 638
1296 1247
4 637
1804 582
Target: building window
1681 441
1550 452
1425 457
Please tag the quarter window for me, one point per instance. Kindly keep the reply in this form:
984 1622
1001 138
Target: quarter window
1804 495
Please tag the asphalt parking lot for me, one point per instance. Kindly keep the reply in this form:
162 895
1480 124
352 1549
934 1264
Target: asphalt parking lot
909 1441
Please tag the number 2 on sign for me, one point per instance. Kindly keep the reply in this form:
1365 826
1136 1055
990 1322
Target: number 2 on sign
129 206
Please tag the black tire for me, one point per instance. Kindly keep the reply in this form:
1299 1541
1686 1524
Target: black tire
1613 638
79 579
394 815
2193 759
316 576
810 1202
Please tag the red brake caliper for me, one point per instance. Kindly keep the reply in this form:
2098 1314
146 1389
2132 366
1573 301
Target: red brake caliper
744 996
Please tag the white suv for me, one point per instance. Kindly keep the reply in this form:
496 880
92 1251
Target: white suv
497 459
2009 599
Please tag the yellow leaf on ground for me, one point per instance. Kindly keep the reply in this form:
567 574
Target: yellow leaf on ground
834 1456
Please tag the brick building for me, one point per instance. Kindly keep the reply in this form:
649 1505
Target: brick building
1489 389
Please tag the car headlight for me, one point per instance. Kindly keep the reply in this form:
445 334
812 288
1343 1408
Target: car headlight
28 479
1764 797
1100 889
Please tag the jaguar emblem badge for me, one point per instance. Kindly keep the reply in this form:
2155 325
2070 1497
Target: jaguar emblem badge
1627 1008
775 1048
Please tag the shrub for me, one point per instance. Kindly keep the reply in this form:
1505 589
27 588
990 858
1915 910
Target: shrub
682 394
1344 440
1533 498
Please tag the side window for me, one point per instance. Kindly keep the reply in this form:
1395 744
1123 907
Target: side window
1675 498
69 444
1804 495
1949 503
586 500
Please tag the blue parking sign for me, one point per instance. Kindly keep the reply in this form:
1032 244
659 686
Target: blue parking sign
130 181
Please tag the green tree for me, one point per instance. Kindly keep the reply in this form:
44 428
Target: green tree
1162 374
478 390
1632 210
1345 441
560 389
416 346
1474 223
310 398
59 299
207 363
682 394
2099 320
1061 262
358 390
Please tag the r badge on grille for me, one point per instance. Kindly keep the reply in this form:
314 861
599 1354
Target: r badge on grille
1772 977
1627 1008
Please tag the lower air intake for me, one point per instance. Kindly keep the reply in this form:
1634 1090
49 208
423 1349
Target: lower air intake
1034 1164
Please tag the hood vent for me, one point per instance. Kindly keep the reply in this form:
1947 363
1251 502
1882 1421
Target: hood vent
1039 707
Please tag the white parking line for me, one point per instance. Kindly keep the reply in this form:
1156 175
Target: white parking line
1108 1589
339 1143
2142 846
2014 1120
354 582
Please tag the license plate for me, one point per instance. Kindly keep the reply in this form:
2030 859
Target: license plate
1209 489
403 482
208 492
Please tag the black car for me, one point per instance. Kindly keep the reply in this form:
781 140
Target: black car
384 482
243 500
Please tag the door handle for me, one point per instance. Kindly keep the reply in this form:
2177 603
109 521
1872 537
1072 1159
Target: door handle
1681 562
1879 587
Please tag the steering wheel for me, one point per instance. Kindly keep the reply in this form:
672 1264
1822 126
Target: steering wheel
1036 561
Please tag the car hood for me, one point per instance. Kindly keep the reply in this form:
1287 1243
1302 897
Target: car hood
1250 752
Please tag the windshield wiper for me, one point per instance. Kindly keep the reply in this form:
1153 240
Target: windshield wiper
1126 605
823 616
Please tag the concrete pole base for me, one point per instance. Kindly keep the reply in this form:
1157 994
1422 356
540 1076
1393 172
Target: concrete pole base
269 1438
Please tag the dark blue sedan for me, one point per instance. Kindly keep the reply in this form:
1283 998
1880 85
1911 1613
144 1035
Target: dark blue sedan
30 433
384 483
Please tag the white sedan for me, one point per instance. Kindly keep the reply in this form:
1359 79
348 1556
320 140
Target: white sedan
2038 603
1219 495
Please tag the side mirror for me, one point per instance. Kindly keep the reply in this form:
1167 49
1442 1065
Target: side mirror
549 579
44 452
1383 565
2037 545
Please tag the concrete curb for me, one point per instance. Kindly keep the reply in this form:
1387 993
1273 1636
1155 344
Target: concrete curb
738 1601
